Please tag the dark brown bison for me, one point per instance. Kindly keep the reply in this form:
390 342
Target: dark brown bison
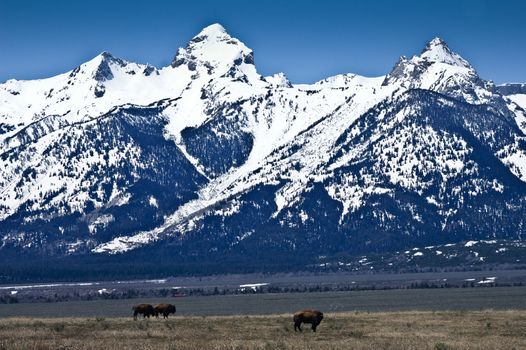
313 317
165 310
145 309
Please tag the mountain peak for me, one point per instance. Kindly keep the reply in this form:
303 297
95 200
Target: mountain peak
437 51
214 49
106 55
213 30
437 41
440 69
99 67
279 80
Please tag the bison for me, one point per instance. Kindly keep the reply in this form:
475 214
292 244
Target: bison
145 309
165 310
313 317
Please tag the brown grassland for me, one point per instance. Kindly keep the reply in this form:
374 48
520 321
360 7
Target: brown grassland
358 330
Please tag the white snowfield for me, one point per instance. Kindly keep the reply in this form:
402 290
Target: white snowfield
214 70
519 99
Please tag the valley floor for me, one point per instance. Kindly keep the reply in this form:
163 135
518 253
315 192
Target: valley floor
432 299
352 330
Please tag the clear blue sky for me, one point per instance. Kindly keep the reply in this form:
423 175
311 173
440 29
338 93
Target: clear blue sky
307 40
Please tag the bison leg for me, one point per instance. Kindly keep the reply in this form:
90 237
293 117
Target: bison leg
314 325
135 315
297 326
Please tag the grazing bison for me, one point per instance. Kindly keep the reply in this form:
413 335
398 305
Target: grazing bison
145 309
313 317
165 310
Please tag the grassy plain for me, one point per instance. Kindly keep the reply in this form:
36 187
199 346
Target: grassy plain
349 330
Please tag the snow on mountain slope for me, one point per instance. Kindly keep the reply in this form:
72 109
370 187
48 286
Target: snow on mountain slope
439 69
87 91
115 155
32 109
411 169
279 80
312 129
227 91
211 55
344 81
91 90
514 155
216 51
405 149
86 181
519 99
302 157
513 103
516 101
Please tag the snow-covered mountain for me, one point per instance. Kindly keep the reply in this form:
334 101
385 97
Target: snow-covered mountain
206 158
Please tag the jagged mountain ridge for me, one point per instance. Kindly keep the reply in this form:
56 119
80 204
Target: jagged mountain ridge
210 157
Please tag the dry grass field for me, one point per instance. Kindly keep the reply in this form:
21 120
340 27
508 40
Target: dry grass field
359 330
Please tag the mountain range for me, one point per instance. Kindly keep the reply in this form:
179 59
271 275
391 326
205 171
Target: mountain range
208 161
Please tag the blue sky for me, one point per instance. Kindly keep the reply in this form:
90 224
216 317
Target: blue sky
307 40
